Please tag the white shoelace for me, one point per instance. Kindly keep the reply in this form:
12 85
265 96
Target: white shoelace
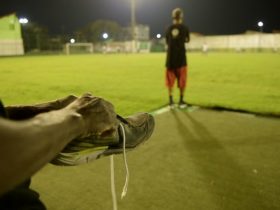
113 188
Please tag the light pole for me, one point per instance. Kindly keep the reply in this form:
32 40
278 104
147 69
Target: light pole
105 36
133 24
260 24
25 36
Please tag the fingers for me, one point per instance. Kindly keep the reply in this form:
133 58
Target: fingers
66 101
98 114
87 95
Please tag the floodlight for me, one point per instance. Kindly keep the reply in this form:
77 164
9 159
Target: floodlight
158 36
23 20
72 41
105 36
260 24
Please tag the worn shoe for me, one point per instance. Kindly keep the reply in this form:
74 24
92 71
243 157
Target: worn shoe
134 129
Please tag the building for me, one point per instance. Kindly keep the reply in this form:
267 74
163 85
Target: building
11 42
239 42
142 33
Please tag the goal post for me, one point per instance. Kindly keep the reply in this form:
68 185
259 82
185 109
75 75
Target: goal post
78 48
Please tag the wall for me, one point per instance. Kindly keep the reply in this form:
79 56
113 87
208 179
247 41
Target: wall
10 36
237 42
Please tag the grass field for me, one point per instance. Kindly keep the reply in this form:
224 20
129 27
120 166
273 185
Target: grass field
201 160
246 81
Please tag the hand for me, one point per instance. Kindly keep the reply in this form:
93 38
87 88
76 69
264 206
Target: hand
98 115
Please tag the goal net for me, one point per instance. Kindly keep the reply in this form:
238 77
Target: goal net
78 48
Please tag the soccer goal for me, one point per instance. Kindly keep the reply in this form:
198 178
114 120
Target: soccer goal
78 48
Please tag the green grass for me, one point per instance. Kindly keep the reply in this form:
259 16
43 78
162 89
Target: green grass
239 81
248 81
131 82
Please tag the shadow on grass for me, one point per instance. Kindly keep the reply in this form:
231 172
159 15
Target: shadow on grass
223 108
230 186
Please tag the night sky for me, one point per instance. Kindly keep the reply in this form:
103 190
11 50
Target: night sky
202 16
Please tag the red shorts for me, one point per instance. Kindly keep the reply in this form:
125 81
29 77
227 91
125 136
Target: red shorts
180 74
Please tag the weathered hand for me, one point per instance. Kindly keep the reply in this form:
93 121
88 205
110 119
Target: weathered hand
98 115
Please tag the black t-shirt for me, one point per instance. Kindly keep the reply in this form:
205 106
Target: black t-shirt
176 36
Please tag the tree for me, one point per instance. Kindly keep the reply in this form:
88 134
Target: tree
35 37
93 31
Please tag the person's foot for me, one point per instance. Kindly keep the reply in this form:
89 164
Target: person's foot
134 129
182 104
171 104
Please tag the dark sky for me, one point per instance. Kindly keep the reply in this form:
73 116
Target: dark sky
202 16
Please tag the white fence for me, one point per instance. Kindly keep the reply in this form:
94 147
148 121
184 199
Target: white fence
11 47
237 42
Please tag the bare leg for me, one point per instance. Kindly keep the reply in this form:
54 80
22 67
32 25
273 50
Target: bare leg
182 92
170 92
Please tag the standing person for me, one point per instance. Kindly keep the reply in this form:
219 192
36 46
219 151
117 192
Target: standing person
176 36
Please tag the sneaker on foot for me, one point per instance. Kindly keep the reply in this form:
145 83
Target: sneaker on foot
183 104
171 105
137 129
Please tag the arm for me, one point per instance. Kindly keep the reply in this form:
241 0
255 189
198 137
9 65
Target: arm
27 145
